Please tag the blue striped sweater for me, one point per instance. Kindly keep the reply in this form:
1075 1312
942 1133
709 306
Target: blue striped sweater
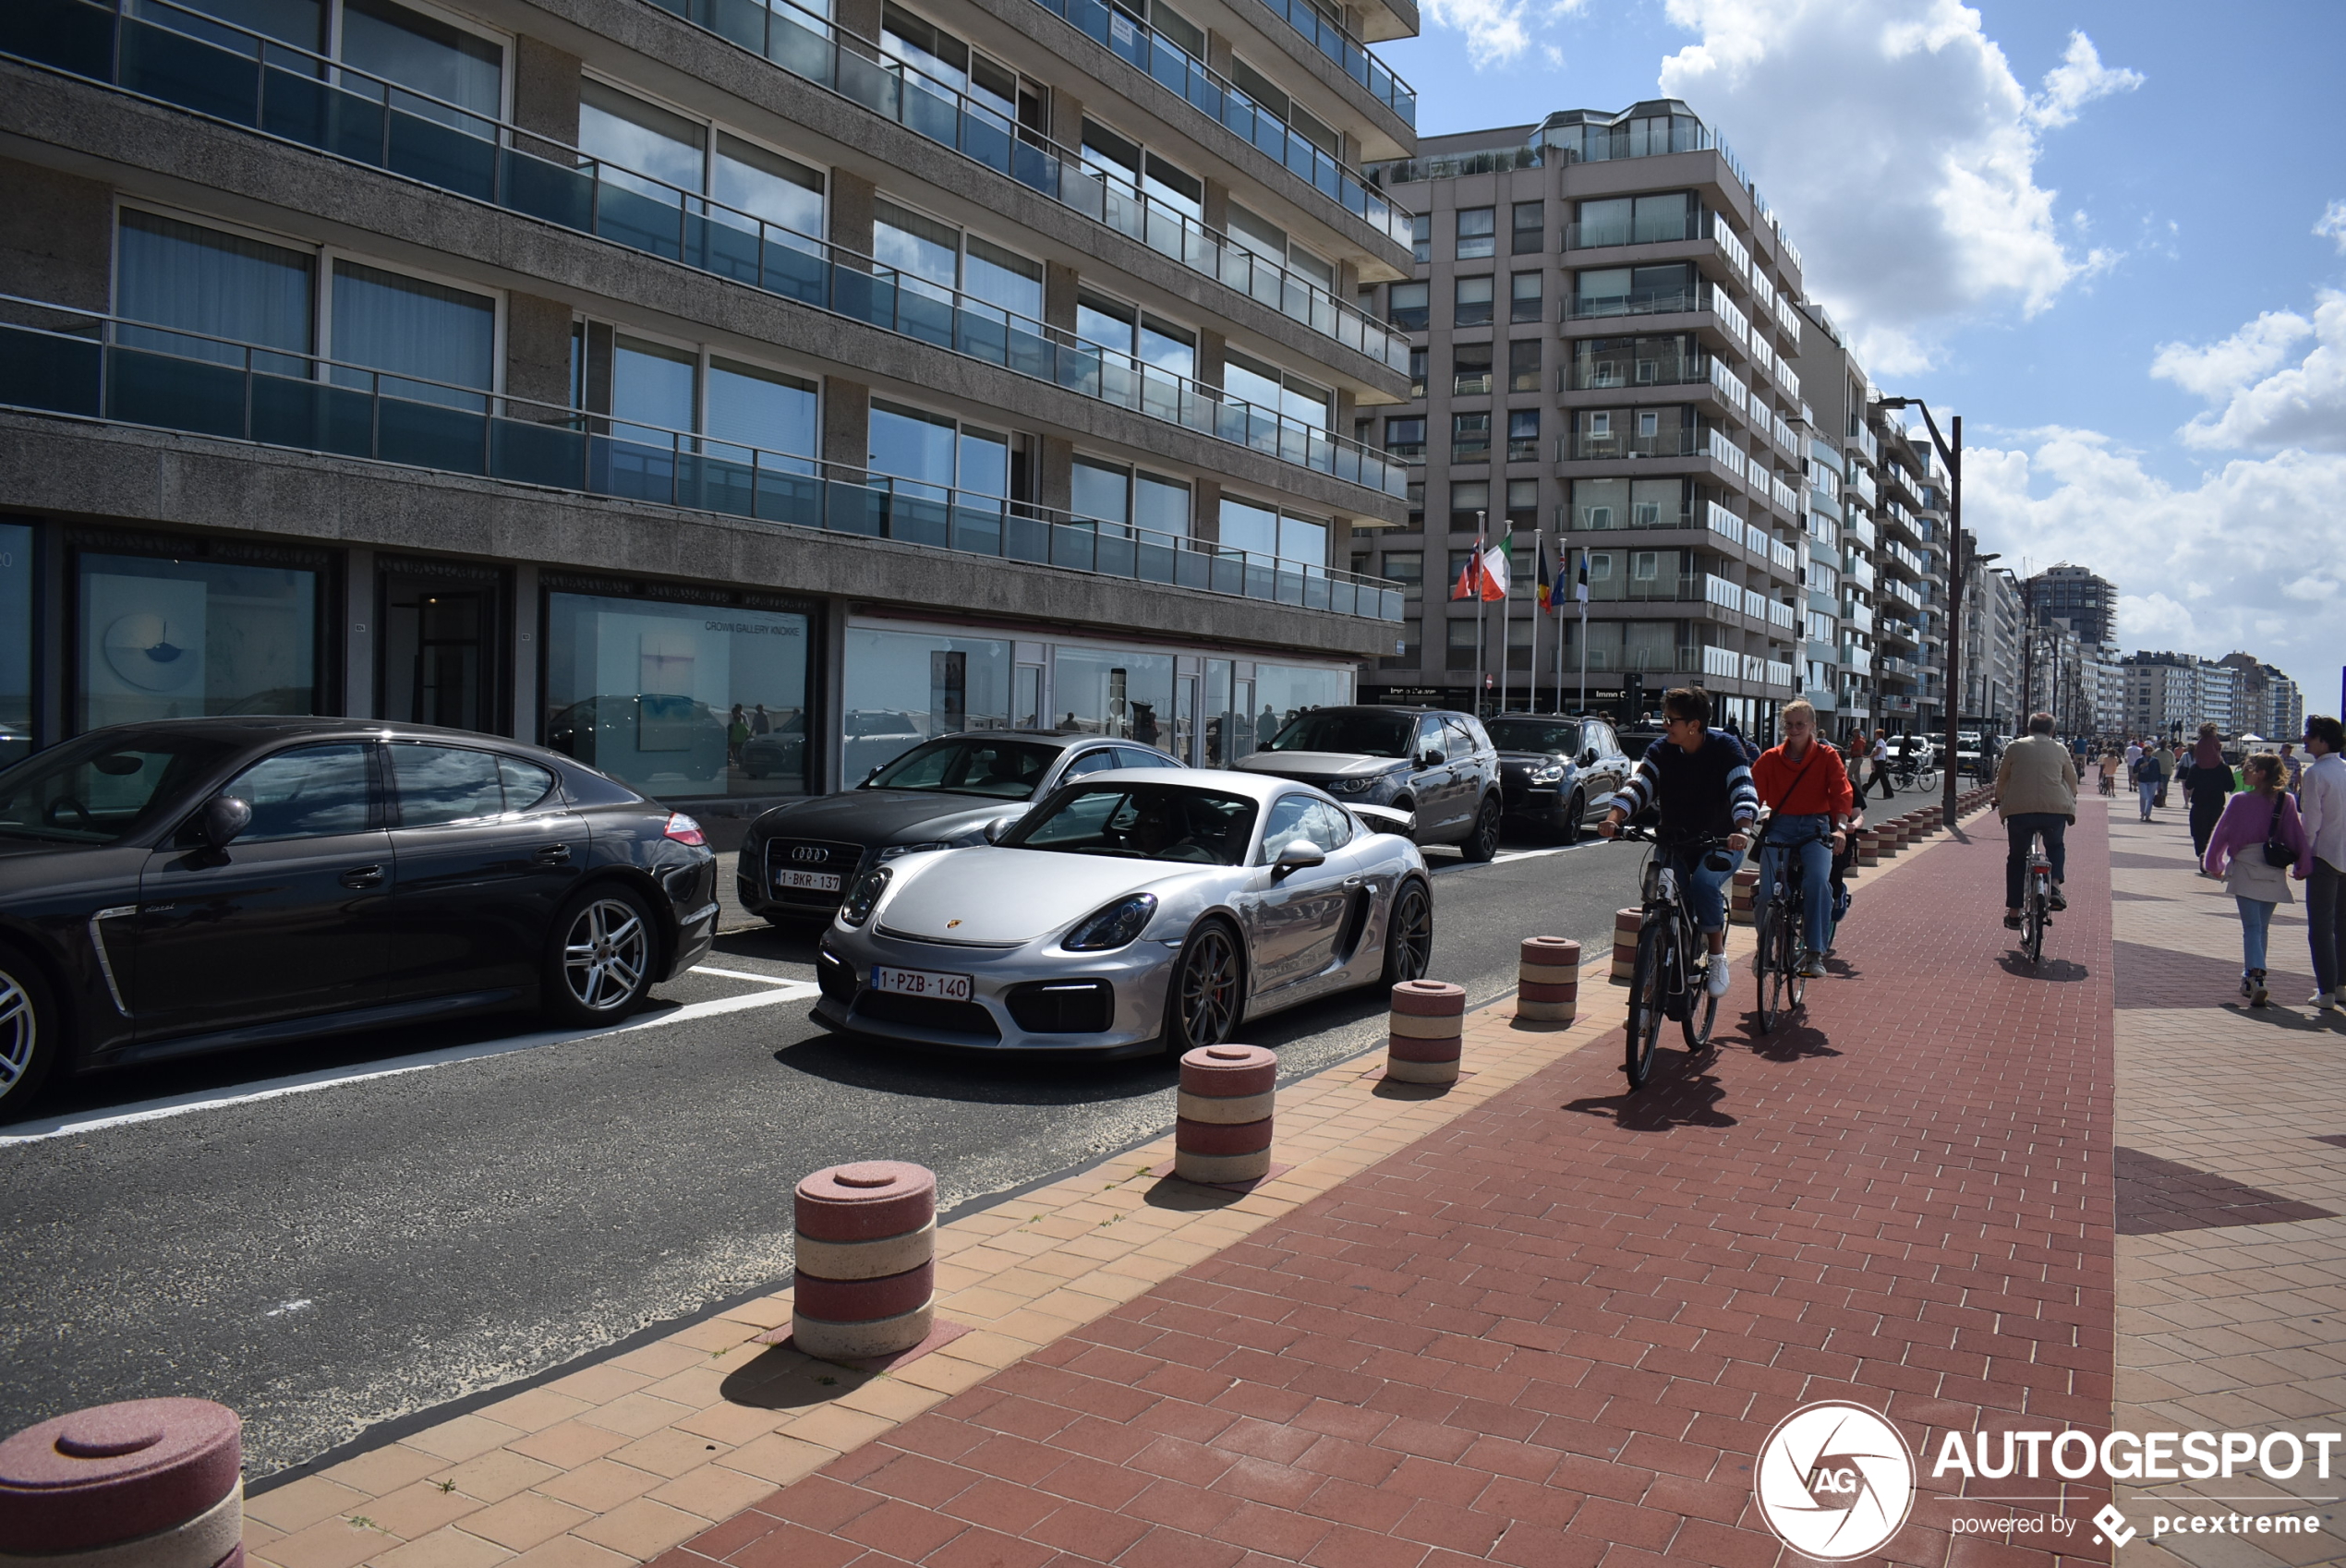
1706 790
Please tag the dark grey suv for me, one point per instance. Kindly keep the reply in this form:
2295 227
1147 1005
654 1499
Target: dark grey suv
1558 772
1435 763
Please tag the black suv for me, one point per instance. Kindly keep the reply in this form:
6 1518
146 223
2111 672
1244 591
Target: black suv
1558 772
1433 761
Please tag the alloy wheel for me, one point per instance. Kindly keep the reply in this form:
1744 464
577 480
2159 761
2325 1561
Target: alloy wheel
605 955
19 1033
1207 989
1411 943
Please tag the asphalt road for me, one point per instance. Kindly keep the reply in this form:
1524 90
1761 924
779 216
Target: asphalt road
330 1236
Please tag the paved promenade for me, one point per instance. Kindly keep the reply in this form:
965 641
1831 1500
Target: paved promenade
1533 1320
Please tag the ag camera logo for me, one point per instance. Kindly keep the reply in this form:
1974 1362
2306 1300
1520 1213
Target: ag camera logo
1834 1482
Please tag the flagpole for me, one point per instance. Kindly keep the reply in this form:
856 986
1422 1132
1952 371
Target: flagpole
1506 609
1482 527
1539 570
1581 590
1564 559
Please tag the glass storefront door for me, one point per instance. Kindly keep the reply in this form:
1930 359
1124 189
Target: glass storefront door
440 651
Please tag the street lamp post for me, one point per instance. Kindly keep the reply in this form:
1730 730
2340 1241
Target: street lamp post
1952 457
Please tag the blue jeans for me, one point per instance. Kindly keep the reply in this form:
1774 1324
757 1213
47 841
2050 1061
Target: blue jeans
1704 889
2255 921
1811 838
2149 787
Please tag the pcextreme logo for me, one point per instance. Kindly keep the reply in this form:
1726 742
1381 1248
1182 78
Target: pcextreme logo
1834 1482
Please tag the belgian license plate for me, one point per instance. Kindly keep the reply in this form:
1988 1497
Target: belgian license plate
813 881
921 983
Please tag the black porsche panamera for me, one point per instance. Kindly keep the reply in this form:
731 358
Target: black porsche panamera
201 884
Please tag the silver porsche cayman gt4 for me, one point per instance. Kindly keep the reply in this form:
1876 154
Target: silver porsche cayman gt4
1129 911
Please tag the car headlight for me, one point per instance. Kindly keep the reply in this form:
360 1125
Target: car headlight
891 851
861 898
1353 786
1114 926
1548 774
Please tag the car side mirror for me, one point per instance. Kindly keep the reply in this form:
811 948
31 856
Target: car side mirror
1431 757
224 816
999 825
1589 757
1298 854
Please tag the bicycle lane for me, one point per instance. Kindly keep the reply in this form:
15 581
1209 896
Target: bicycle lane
1557 1331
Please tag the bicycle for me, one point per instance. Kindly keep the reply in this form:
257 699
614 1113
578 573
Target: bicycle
2109 784
1662 985
1914 776
1781 917
2036 901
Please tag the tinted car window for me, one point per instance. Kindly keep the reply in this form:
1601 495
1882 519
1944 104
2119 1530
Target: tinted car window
1093 761
444 784
308 793
1430 736
97 788
527 784
1132 757
1327 827
969 764
1561 737
1283 825
1142 822
1463 738
1345 729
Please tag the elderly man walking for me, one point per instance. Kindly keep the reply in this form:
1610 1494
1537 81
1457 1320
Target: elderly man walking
2035 793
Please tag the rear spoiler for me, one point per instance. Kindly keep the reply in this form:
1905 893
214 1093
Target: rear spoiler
1385 819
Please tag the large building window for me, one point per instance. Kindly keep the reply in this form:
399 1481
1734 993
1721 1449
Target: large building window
683 154
679 699
1524 302
1523 364
222 285
427 339
15 643
1258 530
1469 502
1406 306
940 254
1470 369
193 638
1115 692
1283 690
1639 220
900 688
1471 302
1531 226
1405 438
1477 234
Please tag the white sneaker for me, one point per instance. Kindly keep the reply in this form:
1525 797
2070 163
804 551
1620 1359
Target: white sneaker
1721 977
2321 999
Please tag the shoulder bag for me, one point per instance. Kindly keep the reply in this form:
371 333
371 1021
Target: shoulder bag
2277 852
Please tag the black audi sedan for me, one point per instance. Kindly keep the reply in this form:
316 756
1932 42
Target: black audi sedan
200 884
799 858
1558 772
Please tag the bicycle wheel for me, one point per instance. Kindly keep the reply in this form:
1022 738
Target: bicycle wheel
1648 983
1927 781
1763 963
1701 1004
2032 924
1795 920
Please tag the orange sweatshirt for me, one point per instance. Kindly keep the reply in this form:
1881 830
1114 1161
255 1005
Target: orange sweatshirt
1814 786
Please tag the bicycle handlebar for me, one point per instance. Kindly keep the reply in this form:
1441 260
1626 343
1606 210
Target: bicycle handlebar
1637 834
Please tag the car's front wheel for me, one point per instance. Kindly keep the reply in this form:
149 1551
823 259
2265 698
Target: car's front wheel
1483 841
598 956
1207 991
1409 933
1576 819
28 1032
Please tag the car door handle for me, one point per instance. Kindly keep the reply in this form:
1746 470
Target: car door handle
1354 881
553 855
359 877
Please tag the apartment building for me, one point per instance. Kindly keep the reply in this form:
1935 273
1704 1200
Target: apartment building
2284 715
2072 595
730 392
1845 539
1603 326
2162 694
1990 700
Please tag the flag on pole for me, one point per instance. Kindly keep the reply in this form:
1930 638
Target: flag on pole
1465 586
1580 587
1547 589
1496 578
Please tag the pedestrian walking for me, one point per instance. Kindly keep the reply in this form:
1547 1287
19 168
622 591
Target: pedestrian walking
2206 784
2150 779
2110 762
2294 763
2321 795
2036 794
1880 756
2257 823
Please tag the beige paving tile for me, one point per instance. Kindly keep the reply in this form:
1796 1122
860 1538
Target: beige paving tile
642 1529
525 1520
497 1475
331 1543
777 1459
463 1438
443 1549
714 1491
385 1469
301 1503
420 1508
569 1552
536 1409
599 1485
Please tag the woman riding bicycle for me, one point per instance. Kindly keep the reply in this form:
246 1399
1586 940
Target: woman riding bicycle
1808 794
1698 780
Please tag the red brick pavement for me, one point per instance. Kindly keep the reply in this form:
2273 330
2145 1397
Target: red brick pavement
1556 1332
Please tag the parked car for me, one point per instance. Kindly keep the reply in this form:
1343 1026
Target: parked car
1438 765
1557 773
197 885
799 858
872 738
1130 911
780 751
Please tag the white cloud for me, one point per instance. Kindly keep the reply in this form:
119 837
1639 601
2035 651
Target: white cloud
2332 226
1899 150
1496 30
2079 80
2246 558
2269 402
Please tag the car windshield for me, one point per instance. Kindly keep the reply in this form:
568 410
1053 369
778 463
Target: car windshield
1346 729
1147 822
1561 738
970 764
96 789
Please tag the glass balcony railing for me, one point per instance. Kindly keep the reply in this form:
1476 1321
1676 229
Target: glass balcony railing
98 367
1216 97
1350 56
1583 446
146 52
370 121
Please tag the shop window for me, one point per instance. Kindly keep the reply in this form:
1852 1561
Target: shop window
188 639
679 699
1285 691
900 688
15 643
1115 692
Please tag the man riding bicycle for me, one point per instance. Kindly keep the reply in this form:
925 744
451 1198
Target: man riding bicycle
1699 778
2035 793
1807 795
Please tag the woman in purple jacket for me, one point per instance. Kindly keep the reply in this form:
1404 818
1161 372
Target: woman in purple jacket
2264 814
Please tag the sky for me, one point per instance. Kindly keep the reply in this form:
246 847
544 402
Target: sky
2111 235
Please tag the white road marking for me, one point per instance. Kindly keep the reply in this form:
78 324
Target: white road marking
744 974
285 1309
1503 858
42 1128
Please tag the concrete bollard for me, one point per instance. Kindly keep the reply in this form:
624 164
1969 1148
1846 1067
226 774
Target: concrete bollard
1222 1130
1427 1025
1626 924
1742 895
866 1260
1547 979
1869 847
148 1483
